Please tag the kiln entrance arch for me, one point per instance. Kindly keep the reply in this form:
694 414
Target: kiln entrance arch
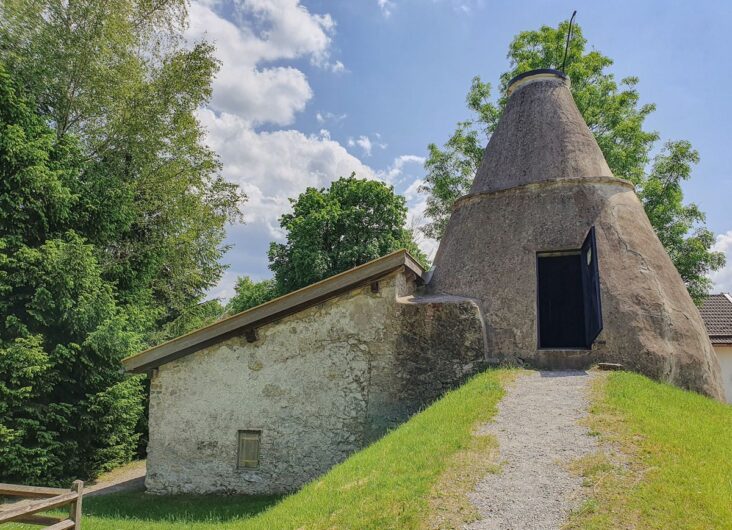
569 311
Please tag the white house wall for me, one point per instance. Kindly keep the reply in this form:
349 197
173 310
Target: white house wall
724 353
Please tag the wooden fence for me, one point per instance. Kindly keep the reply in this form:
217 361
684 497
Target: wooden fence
51 498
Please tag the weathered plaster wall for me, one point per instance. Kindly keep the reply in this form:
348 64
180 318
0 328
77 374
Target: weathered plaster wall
650 323
436 343
320 384
724 354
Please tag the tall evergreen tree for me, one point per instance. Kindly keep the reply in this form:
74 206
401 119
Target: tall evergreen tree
65 408
111 226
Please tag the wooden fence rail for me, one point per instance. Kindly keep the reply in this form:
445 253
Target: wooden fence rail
27 512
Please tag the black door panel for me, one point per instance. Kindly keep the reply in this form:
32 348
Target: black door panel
568 297
591 288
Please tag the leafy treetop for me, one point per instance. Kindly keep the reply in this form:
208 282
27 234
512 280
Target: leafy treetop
332 230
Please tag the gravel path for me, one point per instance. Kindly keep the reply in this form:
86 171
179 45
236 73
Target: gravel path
538 434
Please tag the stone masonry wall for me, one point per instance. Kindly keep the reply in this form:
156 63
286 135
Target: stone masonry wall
320 384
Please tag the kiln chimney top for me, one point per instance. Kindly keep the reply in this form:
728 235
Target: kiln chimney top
540 136
539 74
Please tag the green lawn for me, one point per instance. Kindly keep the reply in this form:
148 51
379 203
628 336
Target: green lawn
388 485
673 469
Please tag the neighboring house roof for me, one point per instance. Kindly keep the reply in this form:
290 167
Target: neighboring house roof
717 314
276 309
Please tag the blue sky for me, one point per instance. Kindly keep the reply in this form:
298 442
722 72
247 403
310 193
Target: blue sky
312 90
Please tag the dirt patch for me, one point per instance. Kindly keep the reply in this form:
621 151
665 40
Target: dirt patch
130 477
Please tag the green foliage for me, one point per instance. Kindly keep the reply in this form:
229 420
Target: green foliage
192 318
450 173
112 215
673 220
66 409
82 60
335 229
152 200
251 294
615 117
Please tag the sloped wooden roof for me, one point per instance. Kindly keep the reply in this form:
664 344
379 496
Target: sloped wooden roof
717 315
271 311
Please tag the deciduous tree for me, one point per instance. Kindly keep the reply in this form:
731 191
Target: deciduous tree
118 76
111 221
251 294
332 230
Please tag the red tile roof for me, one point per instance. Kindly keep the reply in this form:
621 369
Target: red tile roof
717 315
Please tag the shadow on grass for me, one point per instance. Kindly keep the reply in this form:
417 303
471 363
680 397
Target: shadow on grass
177 508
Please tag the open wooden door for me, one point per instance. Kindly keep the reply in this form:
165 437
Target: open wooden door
591 288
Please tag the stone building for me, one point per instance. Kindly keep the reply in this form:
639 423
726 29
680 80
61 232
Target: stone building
266 400
550 261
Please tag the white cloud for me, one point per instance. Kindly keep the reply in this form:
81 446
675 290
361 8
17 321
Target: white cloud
723 278
395 172
337 67
269 167
386 7
364 143
266 30
404 169
325 117
286 29
464 6
367 144
273 166
417 202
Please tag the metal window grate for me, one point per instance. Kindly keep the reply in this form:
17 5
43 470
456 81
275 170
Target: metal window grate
248 454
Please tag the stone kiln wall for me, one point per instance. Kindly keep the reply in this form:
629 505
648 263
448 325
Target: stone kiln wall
650 323
320 384
542 184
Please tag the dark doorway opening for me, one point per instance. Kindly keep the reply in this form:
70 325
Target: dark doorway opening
568 297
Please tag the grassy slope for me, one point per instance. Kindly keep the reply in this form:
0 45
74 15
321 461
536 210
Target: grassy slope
672 470
675 458
387 485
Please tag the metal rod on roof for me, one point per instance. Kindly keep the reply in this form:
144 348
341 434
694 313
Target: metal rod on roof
569 37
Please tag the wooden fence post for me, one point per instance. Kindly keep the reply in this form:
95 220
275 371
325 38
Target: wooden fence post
75 508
